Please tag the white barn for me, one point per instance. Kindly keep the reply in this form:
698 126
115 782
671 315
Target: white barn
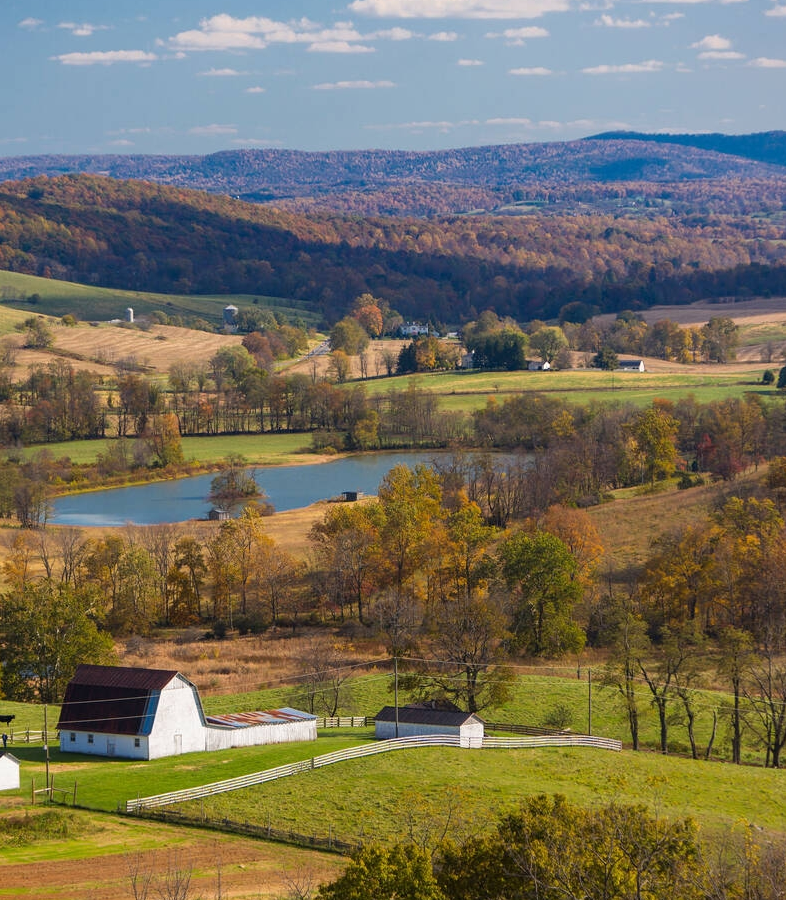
150 713
630 365
417 720
9 772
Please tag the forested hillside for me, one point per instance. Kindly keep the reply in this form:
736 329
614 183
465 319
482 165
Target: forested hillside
420 183
135 235
766 146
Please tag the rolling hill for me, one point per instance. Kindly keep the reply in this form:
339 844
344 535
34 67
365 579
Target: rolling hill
436 182
145 237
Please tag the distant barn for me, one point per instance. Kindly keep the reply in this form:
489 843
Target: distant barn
630 365
417 720
150 713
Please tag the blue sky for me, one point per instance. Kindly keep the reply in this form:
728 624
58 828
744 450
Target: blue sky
82 76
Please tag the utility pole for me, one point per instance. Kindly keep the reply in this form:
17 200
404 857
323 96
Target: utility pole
395 689
46 751
589 701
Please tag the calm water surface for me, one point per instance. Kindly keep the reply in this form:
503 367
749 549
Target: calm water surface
287 487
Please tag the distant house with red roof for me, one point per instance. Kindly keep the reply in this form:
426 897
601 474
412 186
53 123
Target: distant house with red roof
149 713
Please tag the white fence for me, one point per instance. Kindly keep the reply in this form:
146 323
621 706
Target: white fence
327 759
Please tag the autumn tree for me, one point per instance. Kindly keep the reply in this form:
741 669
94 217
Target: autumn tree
541 571
547 342
654 450
48 630
347 548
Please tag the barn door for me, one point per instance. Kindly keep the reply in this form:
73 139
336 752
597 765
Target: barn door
178 744
110 748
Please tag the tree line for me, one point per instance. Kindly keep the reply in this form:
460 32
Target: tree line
136 236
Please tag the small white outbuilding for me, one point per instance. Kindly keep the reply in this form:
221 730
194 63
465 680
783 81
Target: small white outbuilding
417 720
9 772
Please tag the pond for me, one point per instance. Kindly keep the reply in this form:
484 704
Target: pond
287 487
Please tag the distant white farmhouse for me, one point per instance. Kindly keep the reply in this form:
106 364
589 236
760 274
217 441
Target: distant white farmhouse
416 720
150 713
9 772
537 365
630 365
413 329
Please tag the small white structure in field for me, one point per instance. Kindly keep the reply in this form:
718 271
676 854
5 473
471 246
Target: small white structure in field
150 713
417 720
9 772
630 365
129 314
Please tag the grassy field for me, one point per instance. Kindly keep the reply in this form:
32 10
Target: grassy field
258 449
466 391
374 796
56 298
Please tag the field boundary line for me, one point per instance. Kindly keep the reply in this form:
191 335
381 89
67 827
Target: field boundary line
407 743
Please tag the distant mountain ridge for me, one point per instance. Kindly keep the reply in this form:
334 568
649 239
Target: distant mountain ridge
764 146
470 177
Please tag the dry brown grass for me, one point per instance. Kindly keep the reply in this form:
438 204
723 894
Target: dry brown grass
155 350
744 312
630 525
317 366
241 664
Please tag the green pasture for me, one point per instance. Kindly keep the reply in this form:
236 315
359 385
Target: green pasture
258 449
57 298
372 796
376 797
536 697
467 391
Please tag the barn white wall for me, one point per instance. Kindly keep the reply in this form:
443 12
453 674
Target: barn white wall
219 737
9 773
178 726
122 745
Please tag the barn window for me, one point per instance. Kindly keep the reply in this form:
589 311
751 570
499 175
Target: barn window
137 742
90 739
72 737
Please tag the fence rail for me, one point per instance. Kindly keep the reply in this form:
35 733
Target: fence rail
345 721
316 762
28 736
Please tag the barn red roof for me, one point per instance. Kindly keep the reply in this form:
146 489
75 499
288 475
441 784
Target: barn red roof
113 699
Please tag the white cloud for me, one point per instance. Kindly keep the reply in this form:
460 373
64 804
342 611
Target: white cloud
672 17
519 34
443 36
712 42
391 34
256 142
352 85
650 65
470 62
776 11
255 90
423 126
509 121
105 58
721 54
610 22
122 142
17 140
83 30
339 47
458 9
221 73
31 23
213 130
530 70
764 62
225 32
